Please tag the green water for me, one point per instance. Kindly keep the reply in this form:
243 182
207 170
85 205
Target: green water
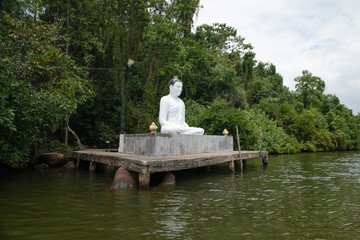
302 196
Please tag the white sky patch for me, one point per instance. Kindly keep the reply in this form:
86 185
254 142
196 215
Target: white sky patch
322 36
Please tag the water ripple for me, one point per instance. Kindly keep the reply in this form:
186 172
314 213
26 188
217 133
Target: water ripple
302 196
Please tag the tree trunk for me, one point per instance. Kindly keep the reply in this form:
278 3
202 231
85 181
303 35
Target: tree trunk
66 132
67 26
152 65
71 131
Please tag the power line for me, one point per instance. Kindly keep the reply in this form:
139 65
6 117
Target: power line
85 68
105 68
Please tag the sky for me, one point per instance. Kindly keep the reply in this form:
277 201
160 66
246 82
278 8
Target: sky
321 36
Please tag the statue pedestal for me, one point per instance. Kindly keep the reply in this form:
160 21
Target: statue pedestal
160 144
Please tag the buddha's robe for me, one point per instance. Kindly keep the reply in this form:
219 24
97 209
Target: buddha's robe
172 117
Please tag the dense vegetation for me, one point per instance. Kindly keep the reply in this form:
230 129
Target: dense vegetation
63 63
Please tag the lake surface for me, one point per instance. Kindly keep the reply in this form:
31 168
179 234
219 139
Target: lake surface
301 196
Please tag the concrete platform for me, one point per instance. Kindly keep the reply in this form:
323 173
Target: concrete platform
145 165
159 144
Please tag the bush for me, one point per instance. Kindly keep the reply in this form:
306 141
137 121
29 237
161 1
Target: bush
220 115
274 138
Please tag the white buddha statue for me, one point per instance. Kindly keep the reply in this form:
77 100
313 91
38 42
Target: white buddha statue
172 111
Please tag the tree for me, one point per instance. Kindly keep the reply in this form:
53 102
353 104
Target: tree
311 130
183 12
221 39
40 87
267 83
220 115
60 53
275 139
309 89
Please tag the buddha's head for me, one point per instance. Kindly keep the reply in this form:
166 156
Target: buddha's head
175 86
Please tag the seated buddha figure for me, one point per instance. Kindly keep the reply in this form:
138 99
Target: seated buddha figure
172 111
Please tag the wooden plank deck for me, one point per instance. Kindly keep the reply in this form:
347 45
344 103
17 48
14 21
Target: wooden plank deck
145 165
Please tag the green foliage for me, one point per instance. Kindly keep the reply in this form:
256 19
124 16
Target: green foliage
274 138
183 12
220 38
311 129
337 130
57 146
193 112
224 84
266 84
57 55
106 133
40 86
345 130
221 115
309 89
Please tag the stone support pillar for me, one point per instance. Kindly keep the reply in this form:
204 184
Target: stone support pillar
92 166
232 165
144 179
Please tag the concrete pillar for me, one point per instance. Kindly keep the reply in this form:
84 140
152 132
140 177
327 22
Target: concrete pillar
144 179
92 166
168 179
232 165
121 143
264 160
78 161
123 179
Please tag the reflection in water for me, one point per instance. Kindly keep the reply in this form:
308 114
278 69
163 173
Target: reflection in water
302 196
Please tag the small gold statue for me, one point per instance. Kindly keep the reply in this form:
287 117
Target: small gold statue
153 128
225 132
